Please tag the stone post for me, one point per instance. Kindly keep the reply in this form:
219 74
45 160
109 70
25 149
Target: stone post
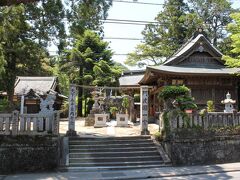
15 115
22 104
72 111
144 110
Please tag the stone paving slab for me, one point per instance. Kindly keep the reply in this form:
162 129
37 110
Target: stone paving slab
218 171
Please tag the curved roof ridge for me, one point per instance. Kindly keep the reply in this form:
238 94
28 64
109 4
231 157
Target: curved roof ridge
188 45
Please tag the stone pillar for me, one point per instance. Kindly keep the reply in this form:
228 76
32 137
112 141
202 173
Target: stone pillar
72 111
15 115
22 104
144 110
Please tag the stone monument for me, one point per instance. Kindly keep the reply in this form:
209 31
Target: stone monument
144 110
72 111
46 105
47 110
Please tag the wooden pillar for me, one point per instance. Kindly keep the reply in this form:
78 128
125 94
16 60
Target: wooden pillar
236 94
144 110
213 96
72 111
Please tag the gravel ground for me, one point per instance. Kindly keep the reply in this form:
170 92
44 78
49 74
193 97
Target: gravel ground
110 130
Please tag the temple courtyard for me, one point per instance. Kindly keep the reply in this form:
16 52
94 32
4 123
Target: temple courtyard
133 129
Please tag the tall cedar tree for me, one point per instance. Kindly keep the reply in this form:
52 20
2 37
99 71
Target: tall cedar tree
89 62
25 31
87 14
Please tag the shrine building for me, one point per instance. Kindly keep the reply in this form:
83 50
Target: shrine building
197 65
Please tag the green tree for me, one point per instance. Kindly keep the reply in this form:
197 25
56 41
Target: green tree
225 46
234 28
14 2
2 61
215 15
63 77
89 62
46 22
175 25
23 43
87 14
12 26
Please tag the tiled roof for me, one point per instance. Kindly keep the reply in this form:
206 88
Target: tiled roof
195 70
130 80
190 44
40 85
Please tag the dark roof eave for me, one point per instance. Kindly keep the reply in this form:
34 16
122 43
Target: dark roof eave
192 74
146 74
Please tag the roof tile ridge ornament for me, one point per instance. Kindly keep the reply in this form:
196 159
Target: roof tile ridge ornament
200 31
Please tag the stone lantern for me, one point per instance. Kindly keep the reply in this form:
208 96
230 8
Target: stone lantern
95 98
228 103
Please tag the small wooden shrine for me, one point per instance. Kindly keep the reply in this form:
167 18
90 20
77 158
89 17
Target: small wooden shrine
35 88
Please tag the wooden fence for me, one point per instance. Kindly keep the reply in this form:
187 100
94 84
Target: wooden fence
29 124
208 120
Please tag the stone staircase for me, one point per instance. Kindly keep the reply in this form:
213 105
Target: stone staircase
113 153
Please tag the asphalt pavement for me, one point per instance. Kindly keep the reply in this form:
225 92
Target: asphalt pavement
218 171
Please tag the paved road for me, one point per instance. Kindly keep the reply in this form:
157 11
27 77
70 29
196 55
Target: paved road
218 171
210 176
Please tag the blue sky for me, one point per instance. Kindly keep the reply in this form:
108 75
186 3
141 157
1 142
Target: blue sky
129 11
132 11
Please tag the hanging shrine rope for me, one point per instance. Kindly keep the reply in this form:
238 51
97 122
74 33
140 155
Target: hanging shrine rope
103 87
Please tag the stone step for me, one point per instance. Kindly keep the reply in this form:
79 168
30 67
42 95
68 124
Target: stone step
90 142
96 146
112 149
114 154
113 167
109 138
114 159
107 164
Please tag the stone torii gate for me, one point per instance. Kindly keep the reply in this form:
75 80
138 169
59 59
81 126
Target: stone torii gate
143 110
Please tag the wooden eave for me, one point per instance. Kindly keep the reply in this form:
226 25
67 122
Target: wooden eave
159 72
146 77
152 75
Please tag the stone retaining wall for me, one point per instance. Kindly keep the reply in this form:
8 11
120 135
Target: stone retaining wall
203 150
28 153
